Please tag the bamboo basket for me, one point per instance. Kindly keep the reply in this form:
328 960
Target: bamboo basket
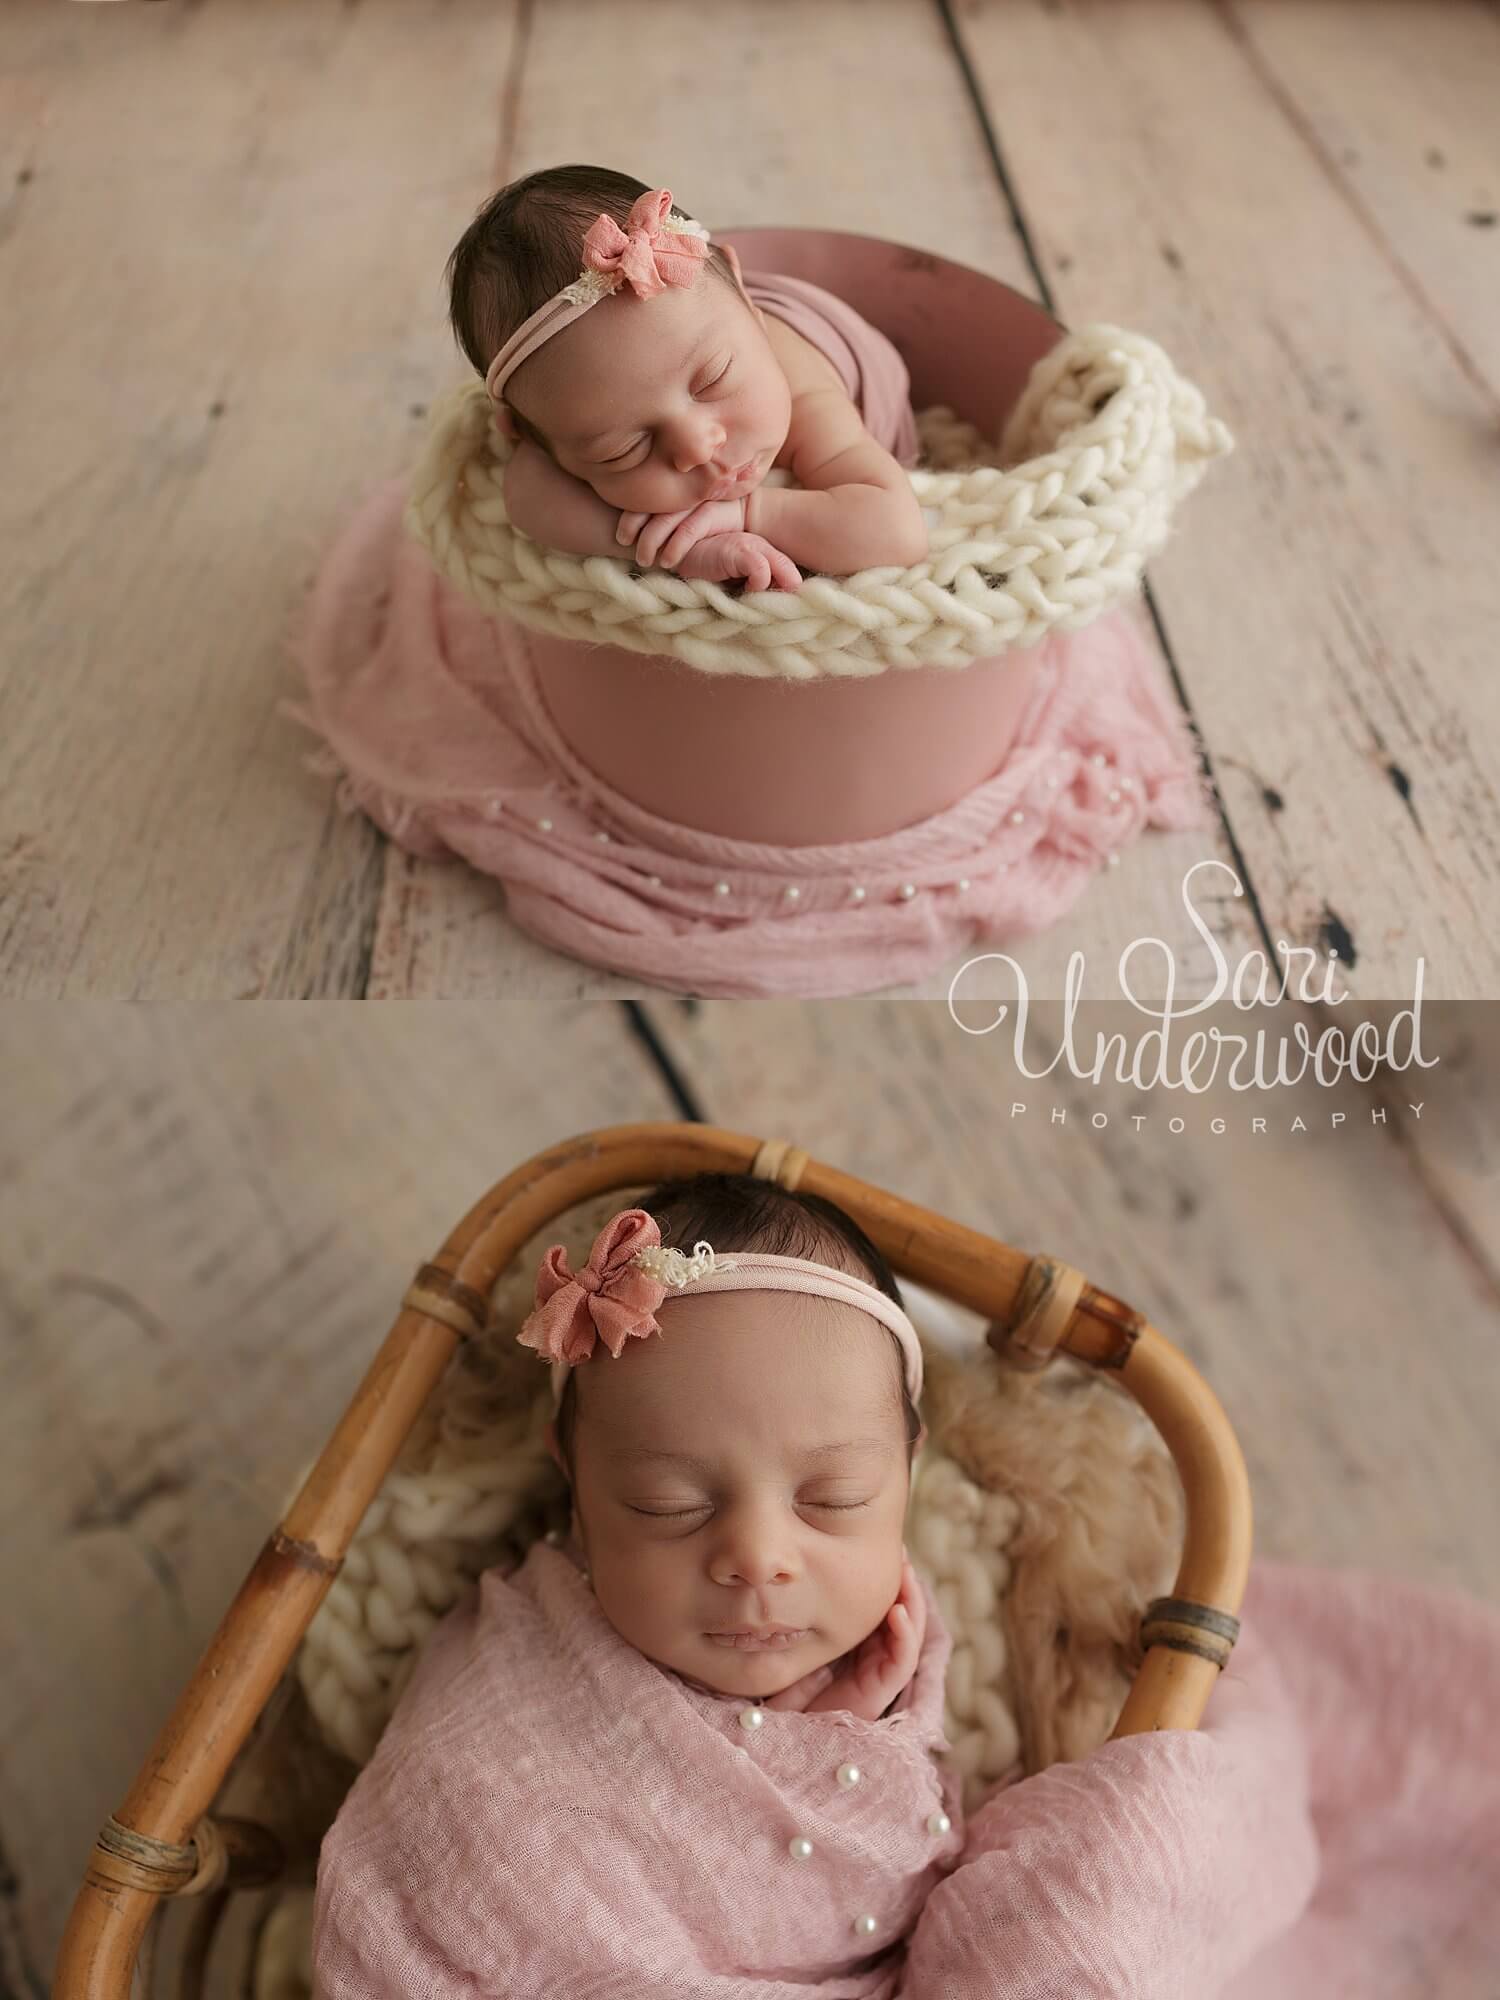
166 1841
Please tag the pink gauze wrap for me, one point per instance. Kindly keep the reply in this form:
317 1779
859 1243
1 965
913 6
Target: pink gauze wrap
434 719
550 1813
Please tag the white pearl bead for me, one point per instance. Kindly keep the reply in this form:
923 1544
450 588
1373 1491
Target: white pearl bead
908 890
1128 784
963 881
721 888
493 809
850 1774
1113 860
856 894
653 881
939 1822
866 1926
799 1848
752 1718
545 825
1113 793
1017 817
602 838
792 893
1099 760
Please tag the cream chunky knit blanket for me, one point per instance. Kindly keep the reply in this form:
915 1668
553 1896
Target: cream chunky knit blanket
1044 533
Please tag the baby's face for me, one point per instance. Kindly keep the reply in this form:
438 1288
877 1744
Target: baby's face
744 1467
660 403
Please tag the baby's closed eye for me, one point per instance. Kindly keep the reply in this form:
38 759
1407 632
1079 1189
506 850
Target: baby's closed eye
705 1507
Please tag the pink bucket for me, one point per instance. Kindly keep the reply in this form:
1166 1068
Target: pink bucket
797 764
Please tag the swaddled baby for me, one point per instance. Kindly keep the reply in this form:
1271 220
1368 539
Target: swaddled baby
695 1749
612 1777
653 388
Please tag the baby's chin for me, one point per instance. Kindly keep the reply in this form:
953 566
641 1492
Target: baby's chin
761 1686
758 1675
753 1676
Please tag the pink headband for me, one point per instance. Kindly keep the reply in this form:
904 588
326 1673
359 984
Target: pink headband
629 1272
654 250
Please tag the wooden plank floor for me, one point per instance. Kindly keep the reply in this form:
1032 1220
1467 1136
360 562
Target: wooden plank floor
223 228
207 1214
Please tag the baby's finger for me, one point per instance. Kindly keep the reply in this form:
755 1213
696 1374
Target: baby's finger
757 572
658 528
784 572
689 530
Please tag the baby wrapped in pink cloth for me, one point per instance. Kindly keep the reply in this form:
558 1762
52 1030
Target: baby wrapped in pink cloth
588 1791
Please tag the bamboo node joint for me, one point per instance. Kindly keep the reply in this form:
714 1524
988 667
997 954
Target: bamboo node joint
1039 1320
440 1296
1188 1627
780 1161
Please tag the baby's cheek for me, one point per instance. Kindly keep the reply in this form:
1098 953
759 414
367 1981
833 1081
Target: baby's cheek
653 495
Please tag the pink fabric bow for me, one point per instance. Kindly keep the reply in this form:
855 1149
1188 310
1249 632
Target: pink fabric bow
610 1299
647 256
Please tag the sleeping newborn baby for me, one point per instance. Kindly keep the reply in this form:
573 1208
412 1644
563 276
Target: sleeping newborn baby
717 1592
721 424
696 1747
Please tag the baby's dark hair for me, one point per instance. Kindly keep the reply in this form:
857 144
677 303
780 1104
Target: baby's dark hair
740 1212
524 245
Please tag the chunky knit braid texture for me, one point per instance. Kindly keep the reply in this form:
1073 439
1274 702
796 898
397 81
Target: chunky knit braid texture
1043 533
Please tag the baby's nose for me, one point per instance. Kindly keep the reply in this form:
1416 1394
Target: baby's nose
697 447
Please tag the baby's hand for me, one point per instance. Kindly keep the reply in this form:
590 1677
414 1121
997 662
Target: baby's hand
878 1669
666 538
720 558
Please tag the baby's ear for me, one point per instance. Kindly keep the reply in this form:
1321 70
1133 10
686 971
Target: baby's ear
505 422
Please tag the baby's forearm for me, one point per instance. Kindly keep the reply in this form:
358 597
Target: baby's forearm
554 508
841 529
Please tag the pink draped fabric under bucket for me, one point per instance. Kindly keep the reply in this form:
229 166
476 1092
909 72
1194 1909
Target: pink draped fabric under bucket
439 728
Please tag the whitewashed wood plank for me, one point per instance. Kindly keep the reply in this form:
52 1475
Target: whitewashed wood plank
1333 611
221 319
1403 112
